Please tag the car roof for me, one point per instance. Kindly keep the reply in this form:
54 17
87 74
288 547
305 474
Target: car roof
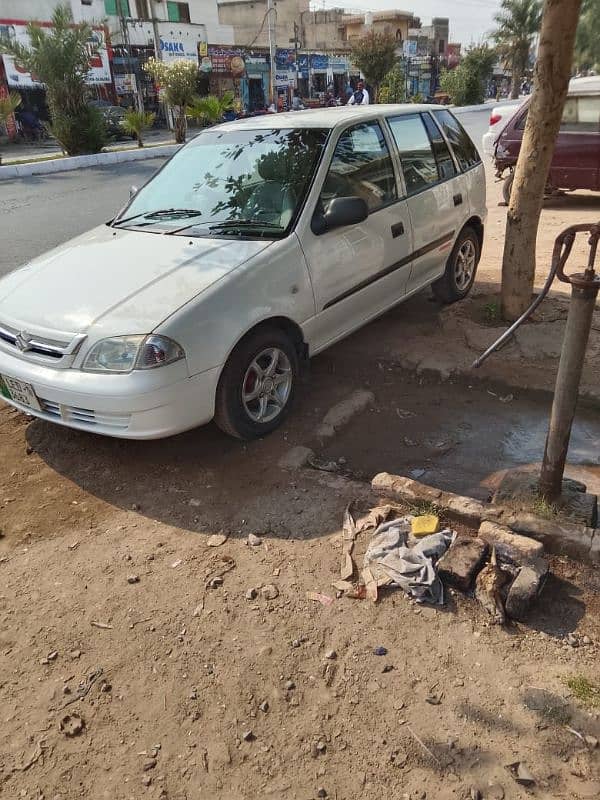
587 85
328 118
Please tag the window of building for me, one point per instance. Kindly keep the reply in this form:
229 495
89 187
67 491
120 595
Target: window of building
141 8
465 151
419 166
361 167
178 12
116 7
86 2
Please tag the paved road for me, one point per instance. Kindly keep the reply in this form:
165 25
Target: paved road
42 211
39 212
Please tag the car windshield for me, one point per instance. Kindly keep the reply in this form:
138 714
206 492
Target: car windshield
227 182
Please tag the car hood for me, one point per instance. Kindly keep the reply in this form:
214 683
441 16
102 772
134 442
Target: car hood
121 281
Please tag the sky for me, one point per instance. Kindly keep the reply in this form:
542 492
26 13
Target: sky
470 20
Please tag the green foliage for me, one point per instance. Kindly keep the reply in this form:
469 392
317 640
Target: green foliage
375 56
178 80
59 56
209 110
465 84
587 42
81 132
584 690
136 122
393 86
417 98
517 23
8 105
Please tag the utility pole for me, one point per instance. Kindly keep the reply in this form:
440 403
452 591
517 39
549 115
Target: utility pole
272 49
127 45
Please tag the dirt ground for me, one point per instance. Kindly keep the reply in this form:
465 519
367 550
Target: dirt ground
178 710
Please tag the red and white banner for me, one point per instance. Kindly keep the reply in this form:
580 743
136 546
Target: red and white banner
19 78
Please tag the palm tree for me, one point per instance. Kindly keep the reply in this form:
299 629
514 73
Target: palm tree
136 122
518 21
209 110
8 105
587 42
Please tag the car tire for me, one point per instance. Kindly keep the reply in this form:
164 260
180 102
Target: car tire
507 187
461 267
257 386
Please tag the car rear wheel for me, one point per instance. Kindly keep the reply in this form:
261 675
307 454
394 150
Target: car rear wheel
257 386
459 276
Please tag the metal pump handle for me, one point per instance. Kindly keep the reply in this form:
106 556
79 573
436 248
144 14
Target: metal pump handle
563 244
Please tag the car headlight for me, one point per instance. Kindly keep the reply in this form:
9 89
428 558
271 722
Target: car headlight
126 353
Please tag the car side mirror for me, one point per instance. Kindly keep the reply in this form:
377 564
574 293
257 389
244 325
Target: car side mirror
133 190
341 211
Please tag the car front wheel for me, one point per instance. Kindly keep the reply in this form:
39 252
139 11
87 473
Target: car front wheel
257 386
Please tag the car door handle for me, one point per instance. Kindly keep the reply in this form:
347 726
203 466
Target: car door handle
397 229
457 199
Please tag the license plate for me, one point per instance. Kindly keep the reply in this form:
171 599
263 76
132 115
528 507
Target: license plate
18 391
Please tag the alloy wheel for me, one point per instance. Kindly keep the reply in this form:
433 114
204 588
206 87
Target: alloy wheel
267 385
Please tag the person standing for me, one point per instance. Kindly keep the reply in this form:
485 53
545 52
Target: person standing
360 96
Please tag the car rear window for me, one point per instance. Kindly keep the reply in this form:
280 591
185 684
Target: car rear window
581 114
465 151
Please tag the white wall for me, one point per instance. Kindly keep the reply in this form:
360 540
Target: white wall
27 9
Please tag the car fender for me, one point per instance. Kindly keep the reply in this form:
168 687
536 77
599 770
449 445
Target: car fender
274 283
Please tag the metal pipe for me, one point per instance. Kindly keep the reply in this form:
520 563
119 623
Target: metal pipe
561 252
566 392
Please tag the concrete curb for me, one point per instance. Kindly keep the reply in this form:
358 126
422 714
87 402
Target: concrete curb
577 541
68 164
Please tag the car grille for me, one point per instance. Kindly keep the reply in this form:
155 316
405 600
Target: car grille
38 348
85 416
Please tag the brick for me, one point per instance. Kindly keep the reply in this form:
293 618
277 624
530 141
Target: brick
525 588
404 488
465 508
510 547
462 562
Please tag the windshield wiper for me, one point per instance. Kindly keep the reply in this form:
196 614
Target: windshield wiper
244 223
168 213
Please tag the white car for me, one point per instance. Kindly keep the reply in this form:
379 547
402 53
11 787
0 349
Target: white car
499 119
257 245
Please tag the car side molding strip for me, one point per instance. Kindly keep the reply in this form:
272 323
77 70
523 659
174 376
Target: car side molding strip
447 237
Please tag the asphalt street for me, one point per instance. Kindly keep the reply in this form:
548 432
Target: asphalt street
40 212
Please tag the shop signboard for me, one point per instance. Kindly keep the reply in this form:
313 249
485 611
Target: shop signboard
285 78
319 62
409 47
125 84
285 59
338 65
20 78
302 65
230 61
180 42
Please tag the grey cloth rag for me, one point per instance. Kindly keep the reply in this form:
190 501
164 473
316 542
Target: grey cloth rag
412 568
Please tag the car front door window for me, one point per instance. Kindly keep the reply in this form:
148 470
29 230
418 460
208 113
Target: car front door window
361 167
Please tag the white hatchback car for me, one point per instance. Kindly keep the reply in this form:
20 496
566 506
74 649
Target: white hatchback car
258 244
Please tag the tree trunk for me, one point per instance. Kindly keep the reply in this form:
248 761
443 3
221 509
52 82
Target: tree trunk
516 79
180 126
140 140
550 84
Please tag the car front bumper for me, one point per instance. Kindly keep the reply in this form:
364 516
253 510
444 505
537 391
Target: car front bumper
144 404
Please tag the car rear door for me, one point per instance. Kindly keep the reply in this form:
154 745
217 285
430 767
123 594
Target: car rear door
358 270
433 191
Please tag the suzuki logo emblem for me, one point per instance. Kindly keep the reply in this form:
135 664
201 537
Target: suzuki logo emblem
22 341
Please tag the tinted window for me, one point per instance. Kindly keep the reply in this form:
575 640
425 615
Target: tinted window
520 126
446 166
581 114
361 167
464 149
419 166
